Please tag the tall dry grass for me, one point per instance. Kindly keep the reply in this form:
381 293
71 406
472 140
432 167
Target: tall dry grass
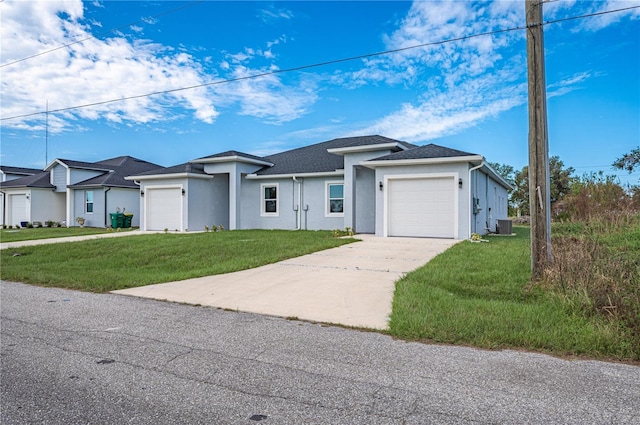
596 256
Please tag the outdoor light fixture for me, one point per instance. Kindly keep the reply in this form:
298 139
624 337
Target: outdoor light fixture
460 183
27 196
142 193
183 192
380 185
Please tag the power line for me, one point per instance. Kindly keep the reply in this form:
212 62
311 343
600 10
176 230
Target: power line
315 65
103 33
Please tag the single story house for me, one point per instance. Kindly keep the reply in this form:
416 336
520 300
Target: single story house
371 184
67 189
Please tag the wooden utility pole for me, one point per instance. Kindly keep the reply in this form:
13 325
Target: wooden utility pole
539 182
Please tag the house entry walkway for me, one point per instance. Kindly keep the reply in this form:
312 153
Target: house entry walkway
351 285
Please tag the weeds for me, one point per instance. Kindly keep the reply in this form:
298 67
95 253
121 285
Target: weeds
596 269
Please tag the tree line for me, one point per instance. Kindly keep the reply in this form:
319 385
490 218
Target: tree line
575 197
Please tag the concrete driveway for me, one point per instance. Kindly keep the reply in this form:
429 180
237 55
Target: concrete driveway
350 285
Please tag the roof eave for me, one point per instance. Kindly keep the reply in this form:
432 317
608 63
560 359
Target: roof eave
367 148
336 173
169 176
231 158
497 177
422 161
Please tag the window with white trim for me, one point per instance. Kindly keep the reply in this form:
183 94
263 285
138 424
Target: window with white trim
335 198
88 201
269 200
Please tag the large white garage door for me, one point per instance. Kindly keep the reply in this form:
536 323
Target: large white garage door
18 209
421 207
163 209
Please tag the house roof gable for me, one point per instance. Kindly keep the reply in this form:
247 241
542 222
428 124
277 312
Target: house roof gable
70 163
40 180
317 158
119 168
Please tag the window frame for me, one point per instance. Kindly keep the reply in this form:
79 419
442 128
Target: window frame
88 202
328 199
263 200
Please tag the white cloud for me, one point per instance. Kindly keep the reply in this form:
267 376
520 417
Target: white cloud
442 113
89 72
274 14
571 8
459 83
267 97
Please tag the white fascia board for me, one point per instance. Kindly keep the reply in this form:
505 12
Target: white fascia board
337 173
234 158
367 148
497 177
422 161
54 162
170 176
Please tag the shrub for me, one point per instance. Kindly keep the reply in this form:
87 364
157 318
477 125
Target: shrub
593 197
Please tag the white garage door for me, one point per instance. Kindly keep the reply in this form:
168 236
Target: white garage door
164 209
421 207
18 209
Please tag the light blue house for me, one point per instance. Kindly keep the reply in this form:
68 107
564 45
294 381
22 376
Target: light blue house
371 184
67 189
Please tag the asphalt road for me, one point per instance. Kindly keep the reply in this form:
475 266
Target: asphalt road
70 357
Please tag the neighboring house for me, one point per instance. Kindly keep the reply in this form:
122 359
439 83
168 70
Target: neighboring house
67 189
371 184
11 173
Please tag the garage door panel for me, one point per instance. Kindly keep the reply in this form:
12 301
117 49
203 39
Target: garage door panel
164 209
18 209
421 207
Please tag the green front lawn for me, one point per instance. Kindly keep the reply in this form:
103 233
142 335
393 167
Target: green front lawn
102 265
479 294
17 235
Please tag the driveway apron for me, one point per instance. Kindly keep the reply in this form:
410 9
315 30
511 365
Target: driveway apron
350 285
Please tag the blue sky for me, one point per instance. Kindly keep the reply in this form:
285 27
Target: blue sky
469 95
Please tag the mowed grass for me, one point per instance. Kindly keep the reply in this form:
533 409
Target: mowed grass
17 235
102 265
479 294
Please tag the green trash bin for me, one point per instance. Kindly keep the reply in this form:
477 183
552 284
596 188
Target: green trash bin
127 220
117 220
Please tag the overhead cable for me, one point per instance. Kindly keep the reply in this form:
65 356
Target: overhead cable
103 33
315 65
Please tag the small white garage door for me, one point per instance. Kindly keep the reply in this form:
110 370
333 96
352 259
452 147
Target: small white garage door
18 209
163 208
421 207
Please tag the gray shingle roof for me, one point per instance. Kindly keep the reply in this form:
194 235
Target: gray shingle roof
425 152
316 159
187 167
40 180
20 170
232 153
86 165
120 167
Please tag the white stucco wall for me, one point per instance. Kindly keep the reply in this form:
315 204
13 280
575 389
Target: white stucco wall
456 170
145 185
208 202
313 204
123 198
47 205
365 201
